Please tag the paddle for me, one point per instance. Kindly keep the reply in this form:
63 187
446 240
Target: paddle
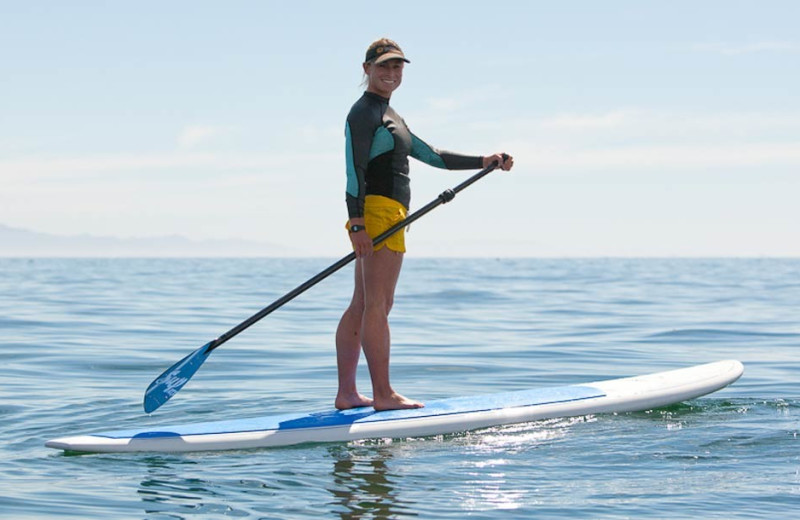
175 377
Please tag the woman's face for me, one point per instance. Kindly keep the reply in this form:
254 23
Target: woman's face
384 78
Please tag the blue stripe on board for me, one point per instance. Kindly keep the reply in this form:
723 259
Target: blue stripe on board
452 406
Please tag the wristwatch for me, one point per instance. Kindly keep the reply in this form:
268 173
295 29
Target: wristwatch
355 228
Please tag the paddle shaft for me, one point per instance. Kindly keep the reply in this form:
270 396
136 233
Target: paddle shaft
443 198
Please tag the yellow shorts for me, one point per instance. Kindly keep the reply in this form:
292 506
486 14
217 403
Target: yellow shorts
381 213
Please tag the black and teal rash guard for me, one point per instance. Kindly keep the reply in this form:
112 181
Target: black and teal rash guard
378 146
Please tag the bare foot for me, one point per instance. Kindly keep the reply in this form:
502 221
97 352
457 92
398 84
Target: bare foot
346 402
396 402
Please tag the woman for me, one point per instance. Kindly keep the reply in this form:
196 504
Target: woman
378 146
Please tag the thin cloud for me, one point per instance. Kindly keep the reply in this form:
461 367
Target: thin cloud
465 99
652 140
194 136
29 169
656 158
662 124
615 119
731 49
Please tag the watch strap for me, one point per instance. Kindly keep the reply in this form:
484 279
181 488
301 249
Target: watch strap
355 228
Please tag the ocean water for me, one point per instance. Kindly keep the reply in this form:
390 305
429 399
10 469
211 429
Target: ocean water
81 339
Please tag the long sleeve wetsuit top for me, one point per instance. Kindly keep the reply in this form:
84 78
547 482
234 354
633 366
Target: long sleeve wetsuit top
378 146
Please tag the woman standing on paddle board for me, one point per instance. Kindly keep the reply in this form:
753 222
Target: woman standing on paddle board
378 145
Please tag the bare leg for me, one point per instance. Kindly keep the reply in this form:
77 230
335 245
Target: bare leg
348 347
381 271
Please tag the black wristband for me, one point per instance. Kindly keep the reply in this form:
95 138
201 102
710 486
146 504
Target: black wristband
355 228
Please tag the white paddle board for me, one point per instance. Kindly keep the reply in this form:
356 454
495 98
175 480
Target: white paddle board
438 417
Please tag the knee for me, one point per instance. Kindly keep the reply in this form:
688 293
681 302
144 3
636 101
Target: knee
380 306
356 308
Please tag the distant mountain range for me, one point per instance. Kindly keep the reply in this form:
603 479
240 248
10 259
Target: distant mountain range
15 242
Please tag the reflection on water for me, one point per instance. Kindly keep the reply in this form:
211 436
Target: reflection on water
490 483
494 490
176 488
377 478
463 327
363 483
524 436
166 492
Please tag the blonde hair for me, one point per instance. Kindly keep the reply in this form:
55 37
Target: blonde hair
381 42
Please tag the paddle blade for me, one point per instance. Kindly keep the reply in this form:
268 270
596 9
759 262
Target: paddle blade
172 380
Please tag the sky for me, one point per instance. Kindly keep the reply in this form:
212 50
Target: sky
639 129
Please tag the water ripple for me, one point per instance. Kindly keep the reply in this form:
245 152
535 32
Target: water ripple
81 339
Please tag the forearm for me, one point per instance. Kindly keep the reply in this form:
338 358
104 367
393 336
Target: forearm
355 206
443 159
